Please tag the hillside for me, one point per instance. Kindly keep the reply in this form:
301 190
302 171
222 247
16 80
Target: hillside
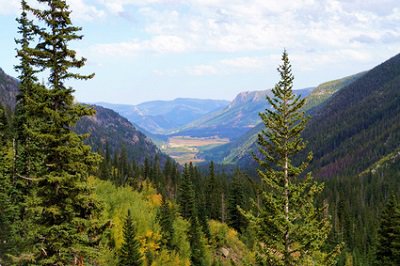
235 119
105 127
325 90
239 150
358 125
108 127
351 131
162 117
8 90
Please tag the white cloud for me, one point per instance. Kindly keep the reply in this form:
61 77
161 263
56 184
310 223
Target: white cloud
158 44
202 70
244 62
80 9
9 7
228 66
83 11
240 26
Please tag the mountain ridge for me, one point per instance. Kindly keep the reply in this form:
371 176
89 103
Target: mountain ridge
163 116
105 126
239 151
235 119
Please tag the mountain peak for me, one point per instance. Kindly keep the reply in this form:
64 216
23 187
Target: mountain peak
248 97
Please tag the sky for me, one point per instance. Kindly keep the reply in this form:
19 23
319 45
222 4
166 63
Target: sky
143 50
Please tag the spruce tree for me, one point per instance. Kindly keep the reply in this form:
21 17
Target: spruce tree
197 244
65 210
213 194
388 248
290 229
29 116
129 254
8 210
188 209
186 196
236 199
166 221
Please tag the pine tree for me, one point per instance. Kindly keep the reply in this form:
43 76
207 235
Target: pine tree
186 196
236 199
188 209
65 209
106 164
213 194
197 245
129 254
166 220
29 116
202 208
290 229
8 210
388 248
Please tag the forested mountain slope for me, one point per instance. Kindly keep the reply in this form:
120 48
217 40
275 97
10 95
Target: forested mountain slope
109 128
105 127
358 125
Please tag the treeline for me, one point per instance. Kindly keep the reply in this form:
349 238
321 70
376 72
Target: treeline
356 207
212 195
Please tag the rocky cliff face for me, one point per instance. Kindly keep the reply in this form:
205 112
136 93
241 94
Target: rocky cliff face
8 90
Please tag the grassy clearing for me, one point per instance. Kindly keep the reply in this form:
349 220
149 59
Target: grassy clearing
185 149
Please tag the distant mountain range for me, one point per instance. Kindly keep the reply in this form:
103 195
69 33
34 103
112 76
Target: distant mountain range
355 122
164 117
235 119
108 127
239 150
354 128
105 127
196 117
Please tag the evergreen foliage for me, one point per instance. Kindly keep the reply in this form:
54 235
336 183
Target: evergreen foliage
290 229
197 243
388 248
186 196
129 254
166 220
213 195
236 200
8 209
64 209
187 202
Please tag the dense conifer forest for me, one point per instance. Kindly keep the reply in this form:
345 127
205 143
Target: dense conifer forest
75 191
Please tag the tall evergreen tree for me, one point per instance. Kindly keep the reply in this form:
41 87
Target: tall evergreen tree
188 209
197 244
186 196
213 194
166 220
8 210
29 107
65 211
290 229
388 248
129 254
236 199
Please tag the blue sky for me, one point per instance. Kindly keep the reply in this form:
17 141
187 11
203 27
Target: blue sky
145 50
